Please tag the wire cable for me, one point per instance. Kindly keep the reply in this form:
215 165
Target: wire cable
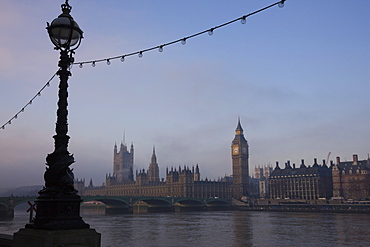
182 40
29 102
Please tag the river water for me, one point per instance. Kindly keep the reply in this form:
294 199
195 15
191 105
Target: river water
222 228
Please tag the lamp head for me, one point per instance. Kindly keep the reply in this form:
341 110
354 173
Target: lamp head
64 32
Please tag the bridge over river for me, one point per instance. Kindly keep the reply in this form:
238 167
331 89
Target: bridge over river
125 204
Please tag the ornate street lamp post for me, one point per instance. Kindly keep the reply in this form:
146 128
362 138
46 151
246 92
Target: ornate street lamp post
58 221
58 206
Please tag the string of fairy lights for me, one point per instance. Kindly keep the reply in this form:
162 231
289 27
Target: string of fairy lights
160 48
140 53
9 122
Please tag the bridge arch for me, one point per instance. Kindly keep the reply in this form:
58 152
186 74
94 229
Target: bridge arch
155 204
113 205
189 204
22 199
3 206
189 201
218 202
107 201
154 201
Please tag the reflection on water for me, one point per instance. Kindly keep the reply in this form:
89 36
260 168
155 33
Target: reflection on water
222 228
242 229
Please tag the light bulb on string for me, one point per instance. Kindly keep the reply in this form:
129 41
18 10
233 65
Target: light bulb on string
30 103
108 62
3 127
243 20
183 41
281 4
160 49
39 94
22 110
10 122
81 65
48 84
140 55
16 116
210 31
122 58
93 64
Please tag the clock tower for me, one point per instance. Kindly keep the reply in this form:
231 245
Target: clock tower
240 156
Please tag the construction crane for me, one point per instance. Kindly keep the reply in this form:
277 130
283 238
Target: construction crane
327 159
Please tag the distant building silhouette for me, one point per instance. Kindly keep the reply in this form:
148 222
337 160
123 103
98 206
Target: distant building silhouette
343 180
123 164
181 181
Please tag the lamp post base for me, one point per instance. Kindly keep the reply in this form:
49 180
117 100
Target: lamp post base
58 212
45 238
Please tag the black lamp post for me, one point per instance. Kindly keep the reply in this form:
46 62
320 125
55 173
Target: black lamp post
58 206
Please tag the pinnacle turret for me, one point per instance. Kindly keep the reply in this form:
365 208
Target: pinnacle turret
239 129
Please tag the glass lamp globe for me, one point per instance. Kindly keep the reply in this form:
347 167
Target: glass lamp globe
64 32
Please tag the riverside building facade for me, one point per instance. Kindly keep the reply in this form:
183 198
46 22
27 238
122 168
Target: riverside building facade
344 180
303 182
351 179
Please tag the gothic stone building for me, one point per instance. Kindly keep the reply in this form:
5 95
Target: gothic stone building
181 182
306 182
123 164
351 179
262 174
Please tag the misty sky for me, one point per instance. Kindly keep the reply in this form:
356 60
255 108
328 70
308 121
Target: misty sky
298 77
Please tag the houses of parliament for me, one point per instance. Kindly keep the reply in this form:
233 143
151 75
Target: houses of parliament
179 182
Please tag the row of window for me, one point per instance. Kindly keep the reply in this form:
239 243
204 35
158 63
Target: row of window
180 190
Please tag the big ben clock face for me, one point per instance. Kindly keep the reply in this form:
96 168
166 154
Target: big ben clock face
235 150
244 150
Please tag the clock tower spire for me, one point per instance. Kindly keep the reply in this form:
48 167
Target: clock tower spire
240 163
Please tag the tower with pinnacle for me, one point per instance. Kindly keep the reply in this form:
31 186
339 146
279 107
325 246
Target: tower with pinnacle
240 164
123 163
153 171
